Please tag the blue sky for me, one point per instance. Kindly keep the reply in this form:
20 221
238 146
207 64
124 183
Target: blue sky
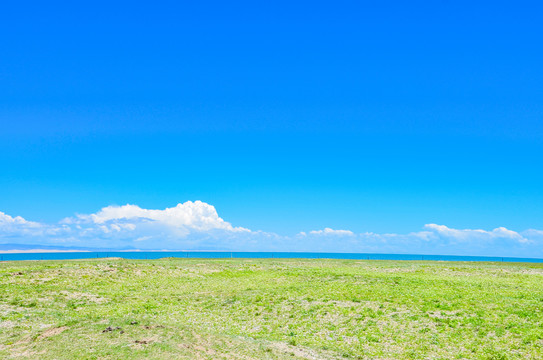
285 117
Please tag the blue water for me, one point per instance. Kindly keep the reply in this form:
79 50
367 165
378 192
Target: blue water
251 255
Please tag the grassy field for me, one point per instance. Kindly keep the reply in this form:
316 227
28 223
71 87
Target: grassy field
270 309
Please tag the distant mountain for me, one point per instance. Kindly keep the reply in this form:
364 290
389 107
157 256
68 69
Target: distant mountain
27 247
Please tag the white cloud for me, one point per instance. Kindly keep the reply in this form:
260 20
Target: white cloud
197 226
18 226
6 219
532 233
475 235
327 232
195 215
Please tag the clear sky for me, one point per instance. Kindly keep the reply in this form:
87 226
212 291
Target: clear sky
286 117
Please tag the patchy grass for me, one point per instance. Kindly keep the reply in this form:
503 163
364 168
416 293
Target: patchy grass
270 309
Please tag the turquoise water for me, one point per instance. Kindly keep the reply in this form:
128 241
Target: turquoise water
251 255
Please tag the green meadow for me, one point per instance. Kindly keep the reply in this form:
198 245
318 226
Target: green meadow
270 309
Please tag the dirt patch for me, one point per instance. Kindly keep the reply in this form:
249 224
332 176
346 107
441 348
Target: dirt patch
52 332
84 296
25 353
443 314
8 309
297 351
144 342
531 272
110 329
8 324
393 270
149 327
202 352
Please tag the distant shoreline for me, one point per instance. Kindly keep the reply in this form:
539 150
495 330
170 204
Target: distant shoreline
37 251
72 254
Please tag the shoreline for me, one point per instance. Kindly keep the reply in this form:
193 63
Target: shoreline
72 254
38 251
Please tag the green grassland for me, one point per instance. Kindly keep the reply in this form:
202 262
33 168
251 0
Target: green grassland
270 309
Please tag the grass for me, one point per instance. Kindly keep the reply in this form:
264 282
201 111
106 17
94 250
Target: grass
270 309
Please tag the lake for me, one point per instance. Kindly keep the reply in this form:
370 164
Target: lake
249 255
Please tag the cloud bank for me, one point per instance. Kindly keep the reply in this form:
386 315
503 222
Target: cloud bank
197 226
